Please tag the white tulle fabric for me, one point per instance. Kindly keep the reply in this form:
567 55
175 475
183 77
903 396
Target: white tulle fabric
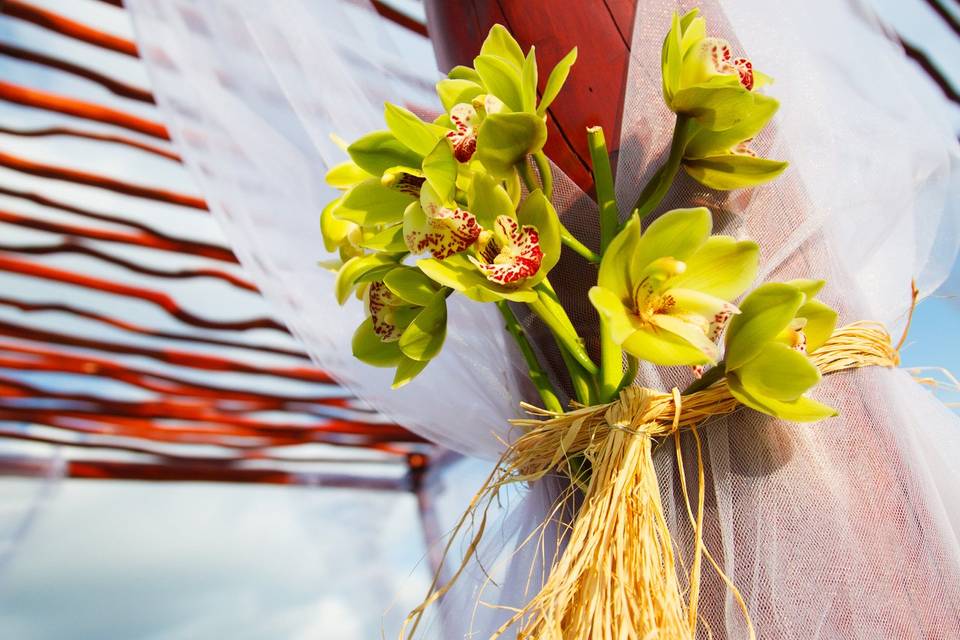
845 529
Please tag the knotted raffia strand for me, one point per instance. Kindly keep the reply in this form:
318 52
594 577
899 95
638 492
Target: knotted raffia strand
616 578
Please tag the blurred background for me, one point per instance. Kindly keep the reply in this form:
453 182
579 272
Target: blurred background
171 463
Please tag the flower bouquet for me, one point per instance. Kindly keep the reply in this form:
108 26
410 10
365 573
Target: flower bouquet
462 204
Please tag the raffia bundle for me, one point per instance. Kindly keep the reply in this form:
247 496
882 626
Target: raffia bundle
616 578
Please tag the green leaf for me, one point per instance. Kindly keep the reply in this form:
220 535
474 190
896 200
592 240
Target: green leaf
499 42
345 175
355 268
733 171
507 138
378 151
778 372
821 321
454 92
423 338
763 314
555 81
528 81
459 274
407 370
389 239
615 264
461 72
723 267
333 230
440 168
705 143
367 347
715 105
676 234
414 133
411 285
501 79
802 409
370 203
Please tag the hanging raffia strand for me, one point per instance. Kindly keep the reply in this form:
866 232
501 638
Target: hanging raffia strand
616 578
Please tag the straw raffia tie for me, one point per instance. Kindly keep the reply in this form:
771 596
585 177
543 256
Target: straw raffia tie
616 577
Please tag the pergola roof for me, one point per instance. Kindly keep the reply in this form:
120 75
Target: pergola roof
129 337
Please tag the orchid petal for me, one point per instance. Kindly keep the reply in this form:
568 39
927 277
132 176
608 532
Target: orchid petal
722 267
663 348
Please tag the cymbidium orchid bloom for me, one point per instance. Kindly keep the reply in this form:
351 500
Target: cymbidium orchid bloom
702 78
509 254
438 228
406 323
389 313
766 363
514 252
724 160
666 292
466 119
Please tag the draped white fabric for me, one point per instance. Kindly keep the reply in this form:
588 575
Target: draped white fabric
845 529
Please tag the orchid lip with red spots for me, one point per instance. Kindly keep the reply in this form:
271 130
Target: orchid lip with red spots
443 232
511 253
463 138
381 304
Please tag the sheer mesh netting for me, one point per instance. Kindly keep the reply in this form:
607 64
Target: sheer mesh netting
842 529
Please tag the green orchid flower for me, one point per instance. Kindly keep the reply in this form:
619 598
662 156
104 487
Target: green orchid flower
493 109
513 253
723 160
665 293
702 79
406 324
766 363
442 229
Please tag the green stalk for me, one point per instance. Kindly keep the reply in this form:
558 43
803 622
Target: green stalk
658 186
526 173
583 384
611 357
549 309
536 372
546 173
578 247
567 238
633 365
603 182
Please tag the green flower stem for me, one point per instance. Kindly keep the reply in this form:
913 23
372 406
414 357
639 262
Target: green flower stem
583 383
549 309
633 365
546 173
611 356
611 364
658 186
567 238
578 247
536 372
603 182
526 173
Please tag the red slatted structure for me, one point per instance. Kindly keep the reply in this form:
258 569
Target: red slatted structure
131 342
